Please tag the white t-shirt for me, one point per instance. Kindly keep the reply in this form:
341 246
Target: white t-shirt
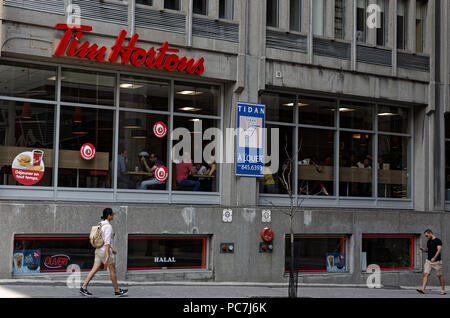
107 234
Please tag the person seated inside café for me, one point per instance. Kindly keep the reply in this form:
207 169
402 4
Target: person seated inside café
149 163
184 169
122 179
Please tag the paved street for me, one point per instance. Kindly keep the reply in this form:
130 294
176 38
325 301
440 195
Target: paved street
103 289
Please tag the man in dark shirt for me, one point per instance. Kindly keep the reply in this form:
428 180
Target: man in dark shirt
433 262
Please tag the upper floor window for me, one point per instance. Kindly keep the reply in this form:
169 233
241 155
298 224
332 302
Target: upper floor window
318 17
421 12
200 7
295 15
145 2
339 18
172 4
226 9
401 24
272 13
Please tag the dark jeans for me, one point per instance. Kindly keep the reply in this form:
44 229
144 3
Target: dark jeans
189 183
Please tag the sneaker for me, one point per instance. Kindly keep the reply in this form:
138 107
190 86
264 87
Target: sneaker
121 292
85 292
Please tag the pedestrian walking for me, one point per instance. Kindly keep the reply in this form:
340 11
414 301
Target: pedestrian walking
105 255
433 262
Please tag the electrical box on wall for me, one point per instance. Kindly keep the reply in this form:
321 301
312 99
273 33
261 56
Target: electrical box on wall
227 248
265 247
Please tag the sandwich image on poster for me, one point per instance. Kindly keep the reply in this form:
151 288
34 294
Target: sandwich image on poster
26 261
28 167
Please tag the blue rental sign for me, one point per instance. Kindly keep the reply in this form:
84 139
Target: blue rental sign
250 139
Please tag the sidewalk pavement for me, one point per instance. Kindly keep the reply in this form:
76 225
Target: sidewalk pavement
25 288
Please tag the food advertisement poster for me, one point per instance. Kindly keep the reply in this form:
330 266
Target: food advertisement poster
26 261
28 167
335 262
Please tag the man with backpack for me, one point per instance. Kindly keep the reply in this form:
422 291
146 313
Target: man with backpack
104 253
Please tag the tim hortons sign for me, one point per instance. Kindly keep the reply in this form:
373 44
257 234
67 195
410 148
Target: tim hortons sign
164 58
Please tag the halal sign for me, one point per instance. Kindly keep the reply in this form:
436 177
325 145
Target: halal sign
87 151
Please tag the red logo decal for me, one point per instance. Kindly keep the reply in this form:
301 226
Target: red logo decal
87 151
161 173
160 129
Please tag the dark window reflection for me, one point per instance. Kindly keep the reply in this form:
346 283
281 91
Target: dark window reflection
311 253
27 80
355 164
87 87
388 253
24 127
356 115
314 111
279 107
144 93
196 99
316 164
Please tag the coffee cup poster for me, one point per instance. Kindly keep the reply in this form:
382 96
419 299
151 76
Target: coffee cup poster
28 167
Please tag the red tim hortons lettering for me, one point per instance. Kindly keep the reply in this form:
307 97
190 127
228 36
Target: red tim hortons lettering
160 58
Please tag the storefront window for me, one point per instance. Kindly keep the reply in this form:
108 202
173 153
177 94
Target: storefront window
393 165
170 252
355 164
142 149
144 93
27 80
40 254
87 87
194 166
281 151
393 119
26 130
80 126
316 164
196 99
316 253
279 107
388 252
315 111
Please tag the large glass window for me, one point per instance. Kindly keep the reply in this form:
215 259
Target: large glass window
80 126
199 99
367 146
316 253
141 151
25 129
27 80
167 252
144 93
226 9
272 13
316 164
295 15
388 252
88 87
194 154
145 2
200 7
280 107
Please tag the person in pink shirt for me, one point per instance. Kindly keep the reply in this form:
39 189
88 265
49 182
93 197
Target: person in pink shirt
184 169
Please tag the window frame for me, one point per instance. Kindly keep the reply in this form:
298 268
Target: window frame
343 201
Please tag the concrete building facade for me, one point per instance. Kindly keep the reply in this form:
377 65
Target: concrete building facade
369 172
